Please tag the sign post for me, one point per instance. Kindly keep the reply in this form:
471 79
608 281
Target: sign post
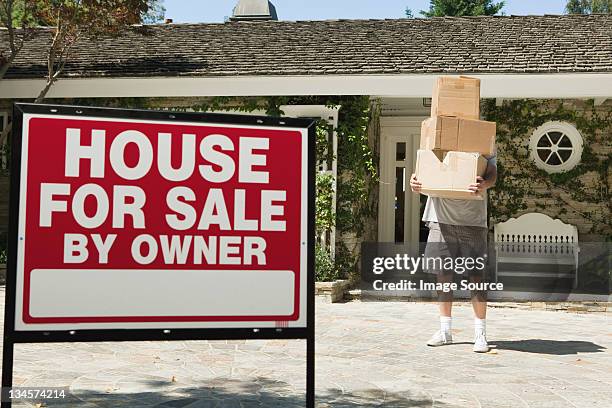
131 225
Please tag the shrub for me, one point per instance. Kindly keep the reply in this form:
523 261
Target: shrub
325 270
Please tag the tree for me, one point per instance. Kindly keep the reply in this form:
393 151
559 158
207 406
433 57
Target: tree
18 17
588 6
156 13
73 19
458 8
69 20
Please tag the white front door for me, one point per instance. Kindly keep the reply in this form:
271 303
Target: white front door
399 208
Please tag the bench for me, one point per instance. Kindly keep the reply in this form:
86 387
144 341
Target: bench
538 239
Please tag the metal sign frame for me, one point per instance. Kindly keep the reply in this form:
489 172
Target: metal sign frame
12 337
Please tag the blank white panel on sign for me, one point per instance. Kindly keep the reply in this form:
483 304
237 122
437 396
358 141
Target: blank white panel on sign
109 293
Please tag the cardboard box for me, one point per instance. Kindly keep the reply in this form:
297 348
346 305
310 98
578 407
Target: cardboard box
451 177
456 96
456 134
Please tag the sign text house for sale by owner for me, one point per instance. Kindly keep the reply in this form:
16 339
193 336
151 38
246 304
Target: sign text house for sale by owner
196 222
139 225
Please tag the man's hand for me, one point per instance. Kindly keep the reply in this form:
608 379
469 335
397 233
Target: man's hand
480 186
415 185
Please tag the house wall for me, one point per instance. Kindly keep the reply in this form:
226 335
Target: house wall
556 201
540 194
351 241
552 206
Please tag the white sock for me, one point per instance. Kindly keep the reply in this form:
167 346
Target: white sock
480 326
446 323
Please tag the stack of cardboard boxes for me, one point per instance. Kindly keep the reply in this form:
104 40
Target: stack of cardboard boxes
454 140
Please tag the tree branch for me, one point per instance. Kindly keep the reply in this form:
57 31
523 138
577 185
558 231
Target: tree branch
56 60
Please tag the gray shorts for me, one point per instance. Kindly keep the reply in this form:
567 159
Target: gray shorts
458 243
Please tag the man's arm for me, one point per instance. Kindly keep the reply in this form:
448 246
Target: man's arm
490 176
489 179
415 185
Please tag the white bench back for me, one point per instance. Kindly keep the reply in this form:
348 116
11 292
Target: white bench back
536 228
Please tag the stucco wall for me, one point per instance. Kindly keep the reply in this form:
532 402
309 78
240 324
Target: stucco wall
557 201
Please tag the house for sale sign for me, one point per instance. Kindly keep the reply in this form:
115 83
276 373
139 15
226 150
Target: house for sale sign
147 221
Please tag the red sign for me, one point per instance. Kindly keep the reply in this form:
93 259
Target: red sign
139 223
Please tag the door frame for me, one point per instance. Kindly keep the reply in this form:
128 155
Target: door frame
393 130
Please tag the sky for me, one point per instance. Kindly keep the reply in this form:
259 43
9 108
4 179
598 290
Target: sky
191 11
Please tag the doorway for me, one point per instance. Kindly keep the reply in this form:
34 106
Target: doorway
399 209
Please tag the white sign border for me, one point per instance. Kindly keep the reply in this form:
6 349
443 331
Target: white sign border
20 325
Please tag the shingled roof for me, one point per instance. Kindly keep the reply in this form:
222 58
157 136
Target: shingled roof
501 44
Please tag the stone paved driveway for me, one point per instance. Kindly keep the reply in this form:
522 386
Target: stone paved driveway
368 355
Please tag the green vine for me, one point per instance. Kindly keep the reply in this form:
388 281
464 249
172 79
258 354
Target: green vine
325 216
580 193
3 248
5 157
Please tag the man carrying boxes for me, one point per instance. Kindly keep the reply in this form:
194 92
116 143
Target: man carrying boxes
455 166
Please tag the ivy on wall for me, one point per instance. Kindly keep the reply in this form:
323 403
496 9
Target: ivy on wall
583 191
5 157
325 216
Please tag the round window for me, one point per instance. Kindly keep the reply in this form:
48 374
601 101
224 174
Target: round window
556 147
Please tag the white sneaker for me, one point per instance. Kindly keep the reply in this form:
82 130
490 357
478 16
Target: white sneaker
440 338
480 343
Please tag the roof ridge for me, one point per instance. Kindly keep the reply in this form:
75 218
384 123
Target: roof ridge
513 44
353 20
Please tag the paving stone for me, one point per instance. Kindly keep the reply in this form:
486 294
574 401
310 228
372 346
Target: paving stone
369 354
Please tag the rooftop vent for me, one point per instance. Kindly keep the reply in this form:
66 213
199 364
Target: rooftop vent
254 10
